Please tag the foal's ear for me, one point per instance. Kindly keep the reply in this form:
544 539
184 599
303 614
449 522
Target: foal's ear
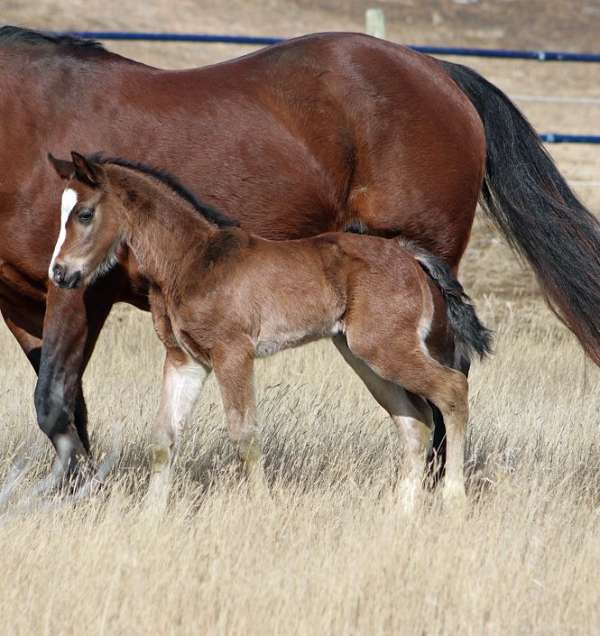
86 170
64 169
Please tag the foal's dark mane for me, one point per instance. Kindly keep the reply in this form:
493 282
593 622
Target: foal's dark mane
207 211
18 35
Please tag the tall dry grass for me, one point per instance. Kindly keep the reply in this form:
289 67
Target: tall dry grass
330 550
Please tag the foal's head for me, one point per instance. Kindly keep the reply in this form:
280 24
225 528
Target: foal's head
91 226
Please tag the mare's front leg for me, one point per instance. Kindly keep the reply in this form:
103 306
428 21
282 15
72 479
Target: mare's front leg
72 324
233 364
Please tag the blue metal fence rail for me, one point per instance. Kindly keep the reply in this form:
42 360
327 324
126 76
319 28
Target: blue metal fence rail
541 56
511 54
177 37
559 138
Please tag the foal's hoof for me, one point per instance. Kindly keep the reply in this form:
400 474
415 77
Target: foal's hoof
455 498
409 495
256 480
156 498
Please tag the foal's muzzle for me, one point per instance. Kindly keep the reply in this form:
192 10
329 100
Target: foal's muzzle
62 278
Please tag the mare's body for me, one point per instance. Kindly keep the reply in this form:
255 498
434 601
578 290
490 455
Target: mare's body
339 128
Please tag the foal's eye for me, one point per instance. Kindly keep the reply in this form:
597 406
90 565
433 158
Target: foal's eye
86 215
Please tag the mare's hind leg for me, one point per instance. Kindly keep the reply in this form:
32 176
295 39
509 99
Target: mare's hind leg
233 365
411 414
183 379
31 345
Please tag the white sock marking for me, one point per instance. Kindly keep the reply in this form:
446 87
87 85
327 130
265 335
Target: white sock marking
68 202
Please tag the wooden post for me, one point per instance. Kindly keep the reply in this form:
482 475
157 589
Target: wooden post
375 23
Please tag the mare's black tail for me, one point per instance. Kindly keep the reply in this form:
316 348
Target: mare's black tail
541 218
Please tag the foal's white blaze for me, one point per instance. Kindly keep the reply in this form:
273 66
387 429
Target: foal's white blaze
68 202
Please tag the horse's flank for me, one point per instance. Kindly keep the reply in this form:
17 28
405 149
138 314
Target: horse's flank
276 139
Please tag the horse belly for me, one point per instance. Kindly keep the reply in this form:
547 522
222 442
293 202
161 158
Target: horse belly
269 343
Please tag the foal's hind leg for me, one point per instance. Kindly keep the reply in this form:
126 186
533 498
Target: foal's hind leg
183 379
416 371
233 365
448 390
411 414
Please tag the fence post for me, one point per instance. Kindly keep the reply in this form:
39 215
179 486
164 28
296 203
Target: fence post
375 23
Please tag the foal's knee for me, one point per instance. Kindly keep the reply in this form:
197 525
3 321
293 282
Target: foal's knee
160 457
162 448
250 448
246 437
248 441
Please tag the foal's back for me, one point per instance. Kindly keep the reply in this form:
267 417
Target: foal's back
285 293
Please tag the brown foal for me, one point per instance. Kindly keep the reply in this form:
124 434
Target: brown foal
220 297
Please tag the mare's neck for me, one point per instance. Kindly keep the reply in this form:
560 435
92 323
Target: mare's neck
161 228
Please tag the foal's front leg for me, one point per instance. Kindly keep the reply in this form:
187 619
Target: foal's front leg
233 365
183 379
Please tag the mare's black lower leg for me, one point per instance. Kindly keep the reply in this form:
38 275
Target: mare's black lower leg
71 327
81 420
436 461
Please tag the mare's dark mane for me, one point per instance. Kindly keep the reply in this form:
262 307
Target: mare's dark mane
207 211
18 35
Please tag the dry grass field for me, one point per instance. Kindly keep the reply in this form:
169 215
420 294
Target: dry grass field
330 550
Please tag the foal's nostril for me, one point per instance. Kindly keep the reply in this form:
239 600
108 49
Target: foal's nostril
58 273
74 280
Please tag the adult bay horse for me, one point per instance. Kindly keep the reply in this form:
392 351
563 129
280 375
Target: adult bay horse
303 137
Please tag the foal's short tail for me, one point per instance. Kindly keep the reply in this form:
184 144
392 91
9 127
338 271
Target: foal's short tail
470 336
